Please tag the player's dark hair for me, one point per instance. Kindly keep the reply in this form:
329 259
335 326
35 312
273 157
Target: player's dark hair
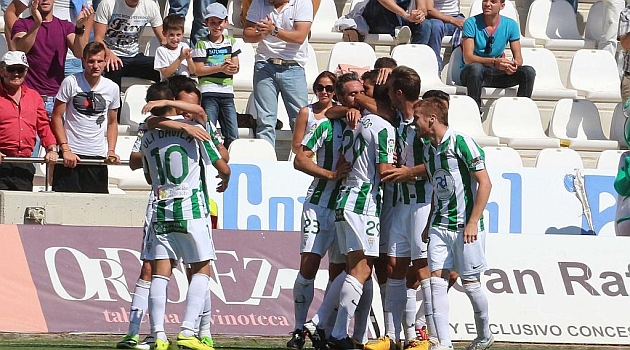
385 62
174 22
381 96
92 48
325 74
439 94
406 80
188 87
370 76
159 91
434 106
342 80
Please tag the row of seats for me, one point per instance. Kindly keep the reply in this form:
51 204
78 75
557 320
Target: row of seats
549 158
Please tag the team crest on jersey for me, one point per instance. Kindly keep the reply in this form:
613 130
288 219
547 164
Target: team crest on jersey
444 184
391 145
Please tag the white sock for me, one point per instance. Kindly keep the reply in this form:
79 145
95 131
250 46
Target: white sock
206 315
157 306
421 320
139 304
362 313
389 321
479 303
428 307
195 300
409 315
440 309
396 300
303 290
331 300
348 301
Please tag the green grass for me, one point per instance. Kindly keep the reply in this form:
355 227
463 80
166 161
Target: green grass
14 341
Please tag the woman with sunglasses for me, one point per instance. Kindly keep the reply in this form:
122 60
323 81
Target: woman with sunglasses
309 117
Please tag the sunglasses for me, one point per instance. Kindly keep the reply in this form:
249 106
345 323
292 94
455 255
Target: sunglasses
329 88
13 69
489 43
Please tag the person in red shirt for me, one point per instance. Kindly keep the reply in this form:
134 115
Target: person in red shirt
23 117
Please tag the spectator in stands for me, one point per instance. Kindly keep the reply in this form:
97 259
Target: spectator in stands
216 62
90 103
445 19
46 39
180 7
484 63
119 25
280 27
404 20
624 40
245 4
23 117
610 25
174 57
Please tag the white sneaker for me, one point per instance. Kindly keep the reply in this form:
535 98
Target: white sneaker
402 35
439 346
481 345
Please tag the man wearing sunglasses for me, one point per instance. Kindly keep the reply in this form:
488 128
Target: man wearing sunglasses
484 63
23 117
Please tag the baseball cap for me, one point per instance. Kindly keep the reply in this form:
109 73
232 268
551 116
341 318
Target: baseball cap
12 58
215 10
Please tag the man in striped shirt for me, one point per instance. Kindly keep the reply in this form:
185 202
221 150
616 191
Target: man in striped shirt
174 162
455 166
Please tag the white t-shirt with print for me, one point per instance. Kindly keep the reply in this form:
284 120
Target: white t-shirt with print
271 46
86 113
125 24
164 57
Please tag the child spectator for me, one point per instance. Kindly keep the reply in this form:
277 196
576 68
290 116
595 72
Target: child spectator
173 58
216 61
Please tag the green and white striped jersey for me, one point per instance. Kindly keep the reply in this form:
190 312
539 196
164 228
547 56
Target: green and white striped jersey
450 166
175 160
410 149
372 142
325 142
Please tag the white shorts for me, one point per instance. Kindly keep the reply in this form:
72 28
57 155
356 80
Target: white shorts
448 251
357 232
145 233
192 243
405 236
386 218
318 229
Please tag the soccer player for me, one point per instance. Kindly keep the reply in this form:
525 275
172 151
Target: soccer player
173 163
455 166
369 148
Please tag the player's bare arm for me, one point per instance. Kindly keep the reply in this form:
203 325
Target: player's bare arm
483 193
303 163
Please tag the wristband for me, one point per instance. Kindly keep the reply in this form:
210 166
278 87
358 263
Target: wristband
79 30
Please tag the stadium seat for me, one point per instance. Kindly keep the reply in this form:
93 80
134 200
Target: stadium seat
357 54
577 122
244 79
251 149
463 116
323 23
374 39
131 111
559 158
311 69
618 125
609 159
593 28
502 157
594 74
235 27
508 11
516 121
547 85
121 175
553 24
285 133
422 59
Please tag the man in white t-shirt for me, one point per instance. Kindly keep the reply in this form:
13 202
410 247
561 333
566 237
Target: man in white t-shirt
280 27
90 103
118 25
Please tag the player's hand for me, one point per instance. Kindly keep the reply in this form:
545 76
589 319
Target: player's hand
383 74
2 155
197 132
37 16
112 158
70 159
402 174
342 170
112 62
153 104
51 157
353 116
184 54
86 14
223 184
470 233
458 22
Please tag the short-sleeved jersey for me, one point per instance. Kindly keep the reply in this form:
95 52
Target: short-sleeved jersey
410 149
164 57
371 143
325 142
450 166
175 162
506 32
214 54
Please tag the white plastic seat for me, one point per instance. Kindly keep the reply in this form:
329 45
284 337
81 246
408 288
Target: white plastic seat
422 59
508 11
323 23
502 157
357 54
463 116
594 74
131 111
311 70
283 134
593 27
244 79
609 159
516 121
618 126
553 23
121 175
578 123
559 158
251 149
127 82
235 27
547 85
